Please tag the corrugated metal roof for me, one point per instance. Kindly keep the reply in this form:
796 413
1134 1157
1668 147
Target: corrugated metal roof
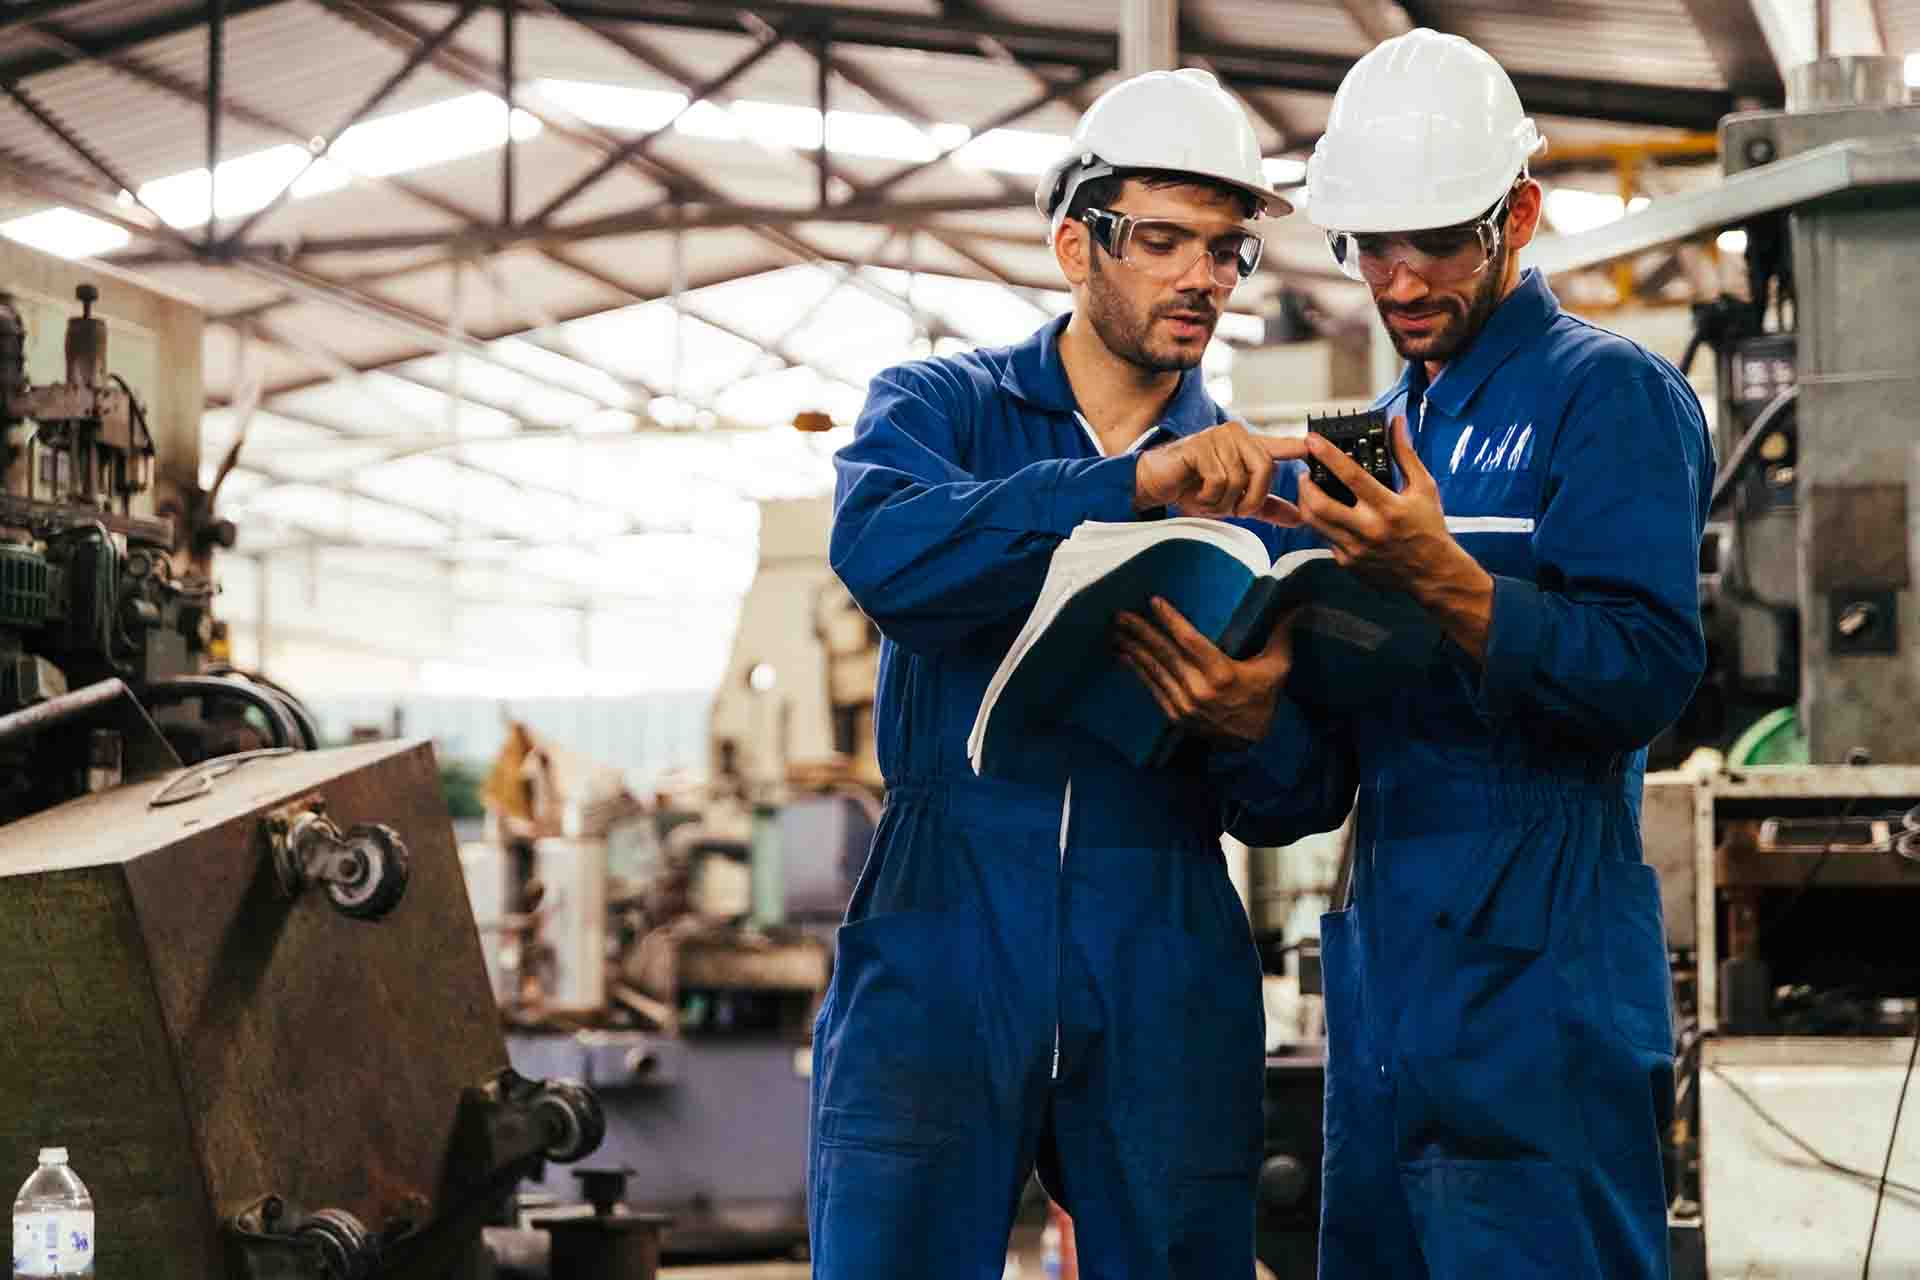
300 69
1652 42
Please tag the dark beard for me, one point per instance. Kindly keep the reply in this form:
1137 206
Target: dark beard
1127 335
1463 327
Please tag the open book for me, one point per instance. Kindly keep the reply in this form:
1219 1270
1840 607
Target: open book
1353 643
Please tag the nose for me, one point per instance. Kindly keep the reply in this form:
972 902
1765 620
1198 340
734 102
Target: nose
1405 286
1199 277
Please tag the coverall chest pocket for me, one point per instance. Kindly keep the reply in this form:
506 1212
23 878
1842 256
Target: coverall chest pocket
900 1066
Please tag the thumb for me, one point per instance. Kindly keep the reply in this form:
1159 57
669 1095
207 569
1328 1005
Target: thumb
1276 658
1418 477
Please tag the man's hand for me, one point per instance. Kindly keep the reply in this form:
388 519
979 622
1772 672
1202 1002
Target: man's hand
1401 539
1222 471
1200 688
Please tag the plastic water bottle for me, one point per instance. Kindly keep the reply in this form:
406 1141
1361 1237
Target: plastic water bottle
52 1221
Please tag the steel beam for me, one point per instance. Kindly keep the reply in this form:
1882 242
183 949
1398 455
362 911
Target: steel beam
654 218
1811 175
216 71
372 103
645 142
99 164
1053 92
317 288
76 50
1149 36
23 66
1377 20
509 72
962 34
1733 36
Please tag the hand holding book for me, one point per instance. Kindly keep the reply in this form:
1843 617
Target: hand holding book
1200 689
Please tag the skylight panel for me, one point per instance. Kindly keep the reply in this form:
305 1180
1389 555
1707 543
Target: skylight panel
430 135
65 233
614 106
1012 151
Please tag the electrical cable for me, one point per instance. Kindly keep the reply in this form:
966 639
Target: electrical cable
1859 1175
1743 452
1886 1165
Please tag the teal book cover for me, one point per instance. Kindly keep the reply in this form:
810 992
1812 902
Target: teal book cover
1354 643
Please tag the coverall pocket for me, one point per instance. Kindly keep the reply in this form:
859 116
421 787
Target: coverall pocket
1195 1049
1516 1219
899 1064
1634 939
1480 1071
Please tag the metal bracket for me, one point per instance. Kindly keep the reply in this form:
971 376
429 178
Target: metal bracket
365 869
272 1240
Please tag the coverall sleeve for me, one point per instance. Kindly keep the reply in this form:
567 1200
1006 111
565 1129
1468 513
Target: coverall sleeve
1296 781
928 551
1605 644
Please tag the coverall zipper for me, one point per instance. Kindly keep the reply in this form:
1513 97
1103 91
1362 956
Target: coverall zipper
1060 924
1066 803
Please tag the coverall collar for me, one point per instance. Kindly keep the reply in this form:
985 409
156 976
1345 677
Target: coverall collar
1037 376
1530 308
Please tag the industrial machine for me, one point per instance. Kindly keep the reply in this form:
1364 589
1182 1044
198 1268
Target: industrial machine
242 979
1790 862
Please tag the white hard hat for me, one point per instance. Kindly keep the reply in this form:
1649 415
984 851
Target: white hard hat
1175 120
1426 131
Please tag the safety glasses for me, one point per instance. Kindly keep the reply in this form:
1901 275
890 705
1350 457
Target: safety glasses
1444 255
1165 249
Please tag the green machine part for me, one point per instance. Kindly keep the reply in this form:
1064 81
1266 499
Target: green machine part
1774 738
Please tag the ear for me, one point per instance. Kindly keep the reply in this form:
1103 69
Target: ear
1072 247
1523 214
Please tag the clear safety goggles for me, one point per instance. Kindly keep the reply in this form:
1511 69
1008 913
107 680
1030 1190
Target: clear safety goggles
1444 255
1165 249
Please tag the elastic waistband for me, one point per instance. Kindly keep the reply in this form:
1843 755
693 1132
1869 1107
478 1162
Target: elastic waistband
1452 806
1105 810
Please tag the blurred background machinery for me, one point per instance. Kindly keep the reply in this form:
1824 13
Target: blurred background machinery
1788 837
672 950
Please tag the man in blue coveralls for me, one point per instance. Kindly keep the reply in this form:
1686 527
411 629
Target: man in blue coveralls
1055 971
1499 1062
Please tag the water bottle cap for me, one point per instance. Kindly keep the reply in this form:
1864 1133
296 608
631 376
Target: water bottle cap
53 1155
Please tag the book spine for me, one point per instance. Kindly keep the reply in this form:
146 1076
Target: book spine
1252 622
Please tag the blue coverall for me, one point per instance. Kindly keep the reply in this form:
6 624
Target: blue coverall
1054 970
1499 1037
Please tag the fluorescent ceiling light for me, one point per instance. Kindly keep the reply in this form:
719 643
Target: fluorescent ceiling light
65 233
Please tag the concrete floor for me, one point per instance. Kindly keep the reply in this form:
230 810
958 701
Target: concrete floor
1023 1263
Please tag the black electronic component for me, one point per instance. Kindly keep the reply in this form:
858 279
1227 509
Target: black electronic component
1361 436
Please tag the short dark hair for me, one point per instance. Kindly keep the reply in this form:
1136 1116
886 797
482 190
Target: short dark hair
1099 193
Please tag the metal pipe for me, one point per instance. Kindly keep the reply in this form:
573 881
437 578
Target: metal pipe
509 66
29 721
216 74
823 80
